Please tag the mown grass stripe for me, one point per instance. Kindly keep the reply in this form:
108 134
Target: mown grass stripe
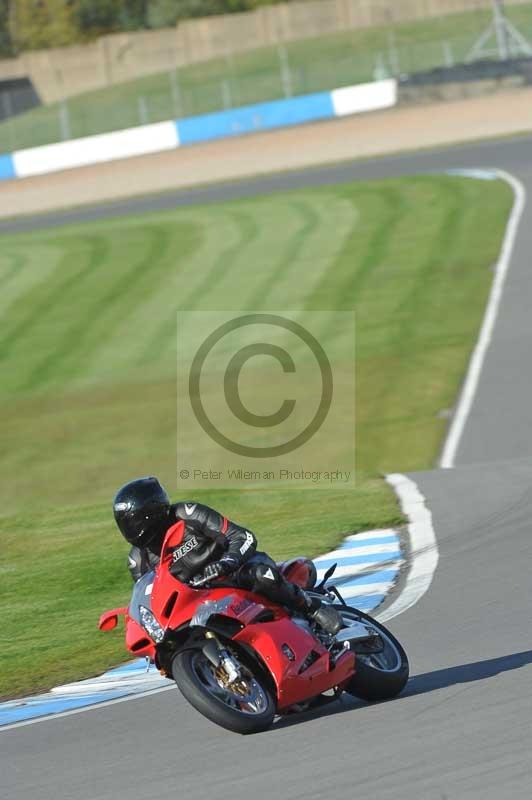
74 341
165 335
15 265
54 294
433 268
107 310
335 290
309 217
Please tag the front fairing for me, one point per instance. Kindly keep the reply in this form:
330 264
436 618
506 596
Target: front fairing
177 604
141 595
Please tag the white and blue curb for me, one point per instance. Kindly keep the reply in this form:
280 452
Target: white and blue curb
169 135
368 568
132 678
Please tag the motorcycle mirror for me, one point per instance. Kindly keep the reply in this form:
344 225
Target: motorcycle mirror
329 572
107 623
327 575
109 619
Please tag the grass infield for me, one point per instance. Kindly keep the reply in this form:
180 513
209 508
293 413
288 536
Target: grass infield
88 376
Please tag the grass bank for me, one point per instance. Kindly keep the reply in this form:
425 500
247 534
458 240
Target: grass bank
88 362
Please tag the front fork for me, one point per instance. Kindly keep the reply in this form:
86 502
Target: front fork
221 658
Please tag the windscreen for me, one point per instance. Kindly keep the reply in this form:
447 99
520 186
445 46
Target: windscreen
141 595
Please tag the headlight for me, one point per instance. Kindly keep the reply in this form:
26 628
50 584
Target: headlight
150 624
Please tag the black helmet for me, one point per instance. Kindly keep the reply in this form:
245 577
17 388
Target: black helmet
142 511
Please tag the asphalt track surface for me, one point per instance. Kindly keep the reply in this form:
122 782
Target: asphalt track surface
462 727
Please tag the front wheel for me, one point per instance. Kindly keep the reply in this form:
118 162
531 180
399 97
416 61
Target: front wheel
244 706
381 670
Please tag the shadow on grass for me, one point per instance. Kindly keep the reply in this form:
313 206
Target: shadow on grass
422 684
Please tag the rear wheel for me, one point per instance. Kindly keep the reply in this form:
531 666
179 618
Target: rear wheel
243 706
381 665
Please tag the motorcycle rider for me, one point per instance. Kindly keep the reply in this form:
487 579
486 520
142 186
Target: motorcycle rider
212 546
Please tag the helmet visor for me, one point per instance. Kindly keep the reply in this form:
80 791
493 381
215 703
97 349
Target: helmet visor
140 528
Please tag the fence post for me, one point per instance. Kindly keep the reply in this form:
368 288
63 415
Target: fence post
176 94
227 99
393 54
6 103
448 55
143 111
232 80
8 118
380 72
64 121
286 74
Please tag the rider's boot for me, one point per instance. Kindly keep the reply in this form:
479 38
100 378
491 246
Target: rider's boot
324 615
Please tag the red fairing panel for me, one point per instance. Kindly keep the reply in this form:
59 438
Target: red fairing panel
137 640
244 607
292 687
173 538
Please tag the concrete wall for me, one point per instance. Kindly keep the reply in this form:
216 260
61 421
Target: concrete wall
63 72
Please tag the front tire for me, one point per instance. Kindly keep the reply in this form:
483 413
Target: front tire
244 707
377 676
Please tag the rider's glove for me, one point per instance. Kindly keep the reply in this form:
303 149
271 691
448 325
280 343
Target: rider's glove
223 567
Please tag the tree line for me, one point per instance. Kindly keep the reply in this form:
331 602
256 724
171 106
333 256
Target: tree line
37 24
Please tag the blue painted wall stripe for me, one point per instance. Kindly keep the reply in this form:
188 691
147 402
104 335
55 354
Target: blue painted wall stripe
261 116
7 167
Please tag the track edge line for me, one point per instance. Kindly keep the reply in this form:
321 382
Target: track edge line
469 388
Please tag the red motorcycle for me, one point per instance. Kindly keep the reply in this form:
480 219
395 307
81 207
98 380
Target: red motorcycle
240 659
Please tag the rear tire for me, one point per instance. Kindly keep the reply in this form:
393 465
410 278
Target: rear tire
371 681
189 668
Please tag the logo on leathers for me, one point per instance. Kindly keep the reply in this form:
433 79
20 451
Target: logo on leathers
190 508
185 548
247 544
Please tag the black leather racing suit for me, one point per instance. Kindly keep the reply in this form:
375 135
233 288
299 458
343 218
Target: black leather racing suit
209 536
